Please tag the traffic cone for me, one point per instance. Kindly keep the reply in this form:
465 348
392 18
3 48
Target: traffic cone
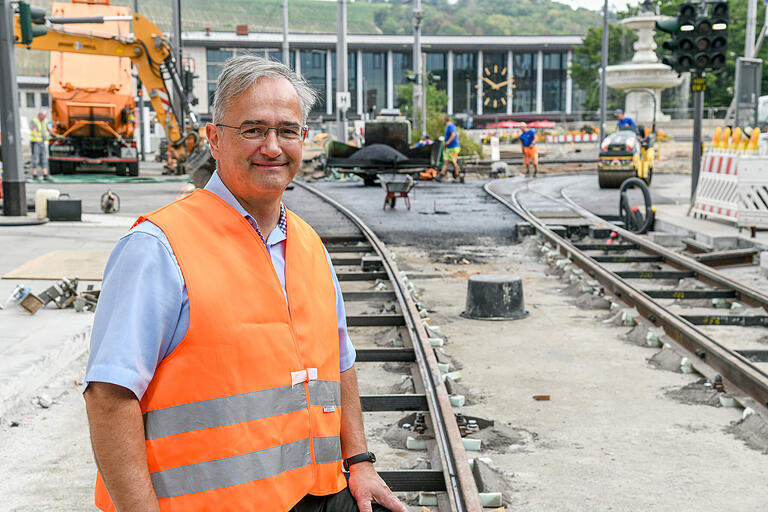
735 139
724 138
753 138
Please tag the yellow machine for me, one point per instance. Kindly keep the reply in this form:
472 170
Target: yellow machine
624 154
151 54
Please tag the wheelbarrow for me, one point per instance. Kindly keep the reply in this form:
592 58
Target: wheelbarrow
395 189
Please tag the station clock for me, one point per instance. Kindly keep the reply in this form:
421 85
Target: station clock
496 86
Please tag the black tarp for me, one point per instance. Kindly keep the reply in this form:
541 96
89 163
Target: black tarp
378 153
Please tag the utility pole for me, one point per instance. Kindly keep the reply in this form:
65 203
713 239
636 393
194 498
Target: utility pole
749 39
14 187
177 100
286 52
343 99
419 92
139 86
603 65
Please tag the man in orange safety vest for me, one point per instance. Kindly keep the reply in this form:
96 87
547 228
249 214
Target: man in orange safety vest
220 375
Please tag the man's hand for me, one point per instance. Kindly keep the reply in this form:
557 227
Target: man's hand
367 486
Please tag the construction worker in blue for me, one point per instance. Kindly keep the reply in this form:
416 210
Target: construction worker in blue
624 121
530 151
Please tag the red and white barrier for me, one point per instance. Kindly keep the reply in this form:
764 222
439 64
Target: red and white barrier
567 139
733 186
717 193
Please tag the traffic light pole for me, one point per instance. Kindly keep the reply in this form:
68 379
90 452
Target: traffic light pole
698 112
14 187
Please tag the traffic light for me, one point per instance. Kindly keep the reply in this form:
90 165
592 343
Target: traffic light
671 27
687 38
681 43
719 43
32 22
699 37
711 37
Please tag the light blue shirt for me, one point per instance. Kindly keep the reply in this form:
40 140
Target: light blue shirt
143 309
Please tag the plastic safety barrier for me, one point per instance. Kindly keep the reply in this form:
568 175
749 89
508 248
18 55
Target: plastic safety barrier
567 139
733 179
753 192
717 193
734 188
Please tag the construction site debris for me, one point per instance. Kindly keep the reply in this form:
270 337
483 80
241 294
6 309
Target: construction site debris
42 401
63 294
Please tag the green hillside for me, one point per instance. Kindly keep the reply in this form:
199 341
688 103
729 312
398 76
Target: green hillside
466 17
472 17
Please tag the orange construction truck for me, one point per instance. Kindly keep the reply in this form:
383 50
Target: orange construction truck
92 105
94 122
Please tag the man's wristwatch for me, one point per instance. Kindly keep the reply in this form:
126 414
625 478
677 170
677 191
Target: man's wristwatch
360 457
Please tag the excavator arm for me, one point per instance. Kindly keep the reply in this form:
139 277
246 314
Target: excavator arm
151 53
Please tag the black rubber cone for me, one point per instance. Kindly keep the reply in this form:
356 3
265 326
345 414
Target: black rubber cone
495 297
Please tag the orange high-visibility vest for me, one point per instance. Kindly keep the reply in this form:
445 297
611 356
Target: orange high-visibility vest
244 414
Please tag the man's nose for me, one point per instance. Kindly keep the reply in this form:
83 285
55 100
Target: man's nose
271 147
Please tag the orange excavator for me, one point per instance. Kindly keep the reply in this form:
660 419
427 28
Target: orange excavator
91 91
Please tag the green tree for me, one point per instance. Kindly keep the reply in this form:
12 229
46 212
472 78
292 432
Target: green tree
488 17
585 67
437 103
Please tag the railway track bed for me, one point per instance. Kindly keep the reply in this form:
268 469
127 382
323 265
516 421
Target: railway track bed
617 433
400 364
717 324
520 438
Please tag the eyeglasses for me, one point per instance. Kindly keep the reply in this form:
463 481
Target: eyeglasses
259 132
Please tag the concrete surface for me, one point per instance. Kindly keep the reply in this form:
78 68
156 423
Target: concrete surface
670 194
609 438
441 213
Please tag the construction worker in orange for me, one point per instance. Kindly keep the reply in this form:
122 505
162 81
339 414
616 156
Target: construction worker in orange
530 151
221 374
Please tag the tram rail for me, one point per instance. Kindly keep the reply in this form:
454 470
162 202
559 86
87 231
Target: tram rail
738 370
450 475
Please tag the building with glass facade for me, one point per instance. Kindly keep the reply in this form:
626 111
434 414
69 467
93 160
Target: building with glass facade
487 76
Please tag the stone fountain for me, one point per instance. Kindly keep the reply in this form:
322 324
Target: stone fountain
644 72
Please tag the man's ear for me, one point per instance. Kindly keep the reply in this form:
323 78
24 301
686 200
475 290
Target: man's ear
212 132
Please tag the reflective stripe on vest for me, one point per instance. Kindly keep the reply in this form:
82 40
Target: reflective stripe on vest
245 413
227 410
244 468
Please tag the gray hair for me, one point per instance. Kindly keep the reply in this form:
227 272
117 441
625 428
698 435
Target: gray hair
241 72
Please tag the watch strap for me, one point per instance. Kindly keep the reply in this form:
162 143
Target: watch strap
360 457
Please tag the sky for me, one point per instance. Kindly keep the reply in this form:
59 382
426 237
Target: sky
596 5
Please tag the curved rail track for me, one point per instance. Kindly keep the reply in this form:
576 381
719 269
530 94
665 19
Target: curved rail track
365 266
643 275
